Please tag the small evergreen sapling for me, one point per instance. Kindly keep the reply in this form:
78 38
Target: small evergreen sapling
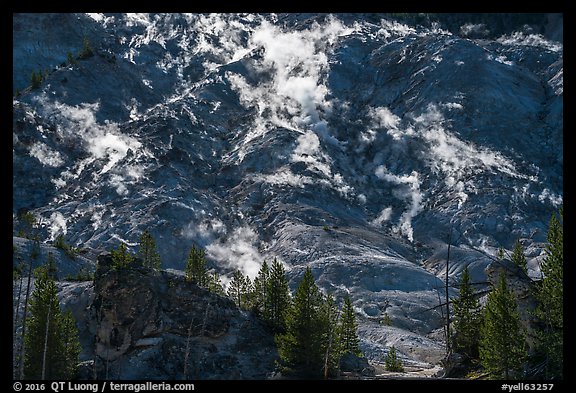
392 363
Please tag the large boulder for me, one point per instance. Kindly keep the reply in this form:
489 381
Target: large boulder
356 364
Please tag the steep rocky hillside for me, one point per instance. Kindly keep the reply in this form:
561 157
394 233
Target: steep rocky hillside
352 144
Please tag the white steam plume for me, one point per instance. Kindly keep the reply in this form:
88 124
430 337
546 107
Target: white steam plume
296 62
409 191
46 155
239 251
78 126
57 225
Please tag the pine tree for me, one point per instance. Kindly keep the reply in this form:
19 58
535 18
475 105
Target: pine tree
301 347
502 339
51 339
51 266
215 284
60 242
234 291
41 334
31 220
22 352
27 224
35 79
17 275
147 251
70 58
391 362
550 296
87 50
329 326
386 320
518 257
349 329
240 289
121 257
277 298
260 288
196 267
71 344
467 318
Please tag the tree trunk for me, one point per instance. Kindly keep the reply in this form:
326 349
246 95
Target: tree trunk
187 352
46 343
329 348
16 312
24 317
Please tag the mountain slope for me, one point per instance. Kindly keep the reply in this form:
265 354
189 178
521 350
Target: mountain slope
351 145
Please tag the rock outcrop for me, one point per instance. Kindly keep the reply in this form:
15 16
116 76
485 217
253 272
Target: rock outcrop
351 363
150 324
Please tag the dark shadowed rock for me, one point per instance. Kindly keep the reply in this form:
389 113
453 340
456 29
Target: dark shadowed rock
356 364
156 325
455 366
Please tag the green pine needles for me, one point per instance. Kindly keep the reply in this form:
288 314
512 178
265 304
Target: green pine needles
467 318
392 363
276 298
196 267
550 309
51 341
121 257
147 251
503 349
301 347
348 330
317 333
518 257
240 290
